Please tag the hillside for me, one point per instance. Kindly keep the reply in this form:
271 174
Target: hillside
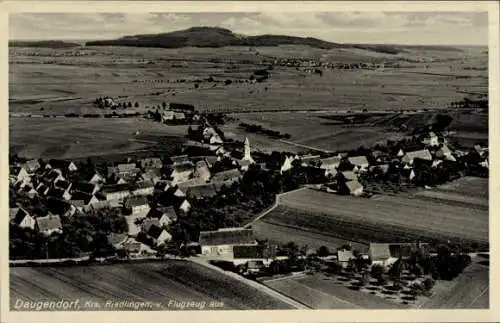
43 44
210 37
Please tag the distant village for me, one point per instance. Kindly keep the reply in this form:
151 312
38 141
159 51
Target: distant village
198 203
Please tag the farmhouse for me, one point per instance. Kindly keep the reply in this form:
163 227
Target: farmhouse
23 219
181 173
250 254
115 192
81 199
221 243
49 224
202 170
431 139
148 222
96 178
409 157
344 256
159 235
164 215
152 175
330 164
228 176
180 160
31 166
21 175
150 163
286 164
52 176
201 192
134 248
310 160
65 165
353 187
386 254
87 188
185 206
137 205
143 188
360 162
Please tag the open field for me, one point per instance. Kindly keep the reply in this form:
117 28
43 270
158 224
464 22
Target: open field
153 282
380 219
469 290
53 75
319 293
79 138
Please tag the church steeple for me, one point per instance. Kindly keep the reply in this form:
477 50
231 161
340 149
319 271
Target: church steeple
247 155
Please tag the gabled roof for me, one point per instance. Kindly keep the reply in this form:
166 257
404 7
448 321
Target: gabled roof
420 154
64 185
20 215
350 175
136 201
245 252
227 237
148 222
384 168
379 251
115 188
151 162
358 160
383 251
330 161
344 255
58 163
13 212
201 191
226 175
50 222
80 196
126 167
181 159
353 185
57 206
84 187
116 238
445 150
155 231
158 212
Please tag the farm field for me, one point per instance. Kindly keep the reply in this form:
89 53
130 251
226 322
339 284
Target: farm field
81 138
469 290
380 219
281 234
153 282
319 293
308 129
55 80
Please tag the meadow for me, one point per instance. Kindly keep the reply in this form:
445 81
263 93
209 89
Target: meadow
158 283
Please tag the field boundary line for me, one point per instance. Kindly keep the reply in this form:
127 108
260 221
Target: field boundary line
253 284
272 207
477 297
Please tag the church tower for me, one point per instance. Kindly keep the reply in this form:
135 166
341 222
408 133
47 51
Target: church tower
247 155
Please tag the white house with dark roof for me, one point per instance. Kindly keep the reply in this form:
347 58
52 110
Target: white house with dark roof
137 205
153 162
228 176
431 139
143 188
220 243
115 192
97 178
354 187
165 215
185 206
159 235
65 165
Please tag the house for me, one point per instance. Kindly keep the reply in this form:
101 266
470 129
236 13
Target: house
286 164
431 139
42 189
354 187
184 206
180 160
84 198
243 164
96 179
310 160
181 173
21 175
148 222
31 166
123 169
65 165
386 254
202 170
436 163
215 139
423 154
116 239
201 192
400 153
445 152
330 164
143 188
24 219
13 212
85 187
134 248
115 192
52 176
60 207
221 243
249 255
165 215
152 175
347 176
482 151
159 235
49 224
63 185
137 205
231 176
344 256
151 163
360 162
162 186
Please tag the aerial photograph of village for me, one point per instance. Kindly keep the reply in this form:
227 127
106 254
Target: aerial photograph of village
248 161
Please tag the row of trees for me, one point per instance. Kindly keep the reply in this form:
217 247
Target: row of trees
254 128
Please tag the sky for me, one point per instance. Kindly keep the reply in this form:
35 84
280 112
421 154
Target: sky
430 28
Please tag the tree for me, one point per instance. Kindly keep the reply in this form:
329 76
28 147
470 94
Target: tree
323 251
129 104
136 104
428 284
377 271
164 105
